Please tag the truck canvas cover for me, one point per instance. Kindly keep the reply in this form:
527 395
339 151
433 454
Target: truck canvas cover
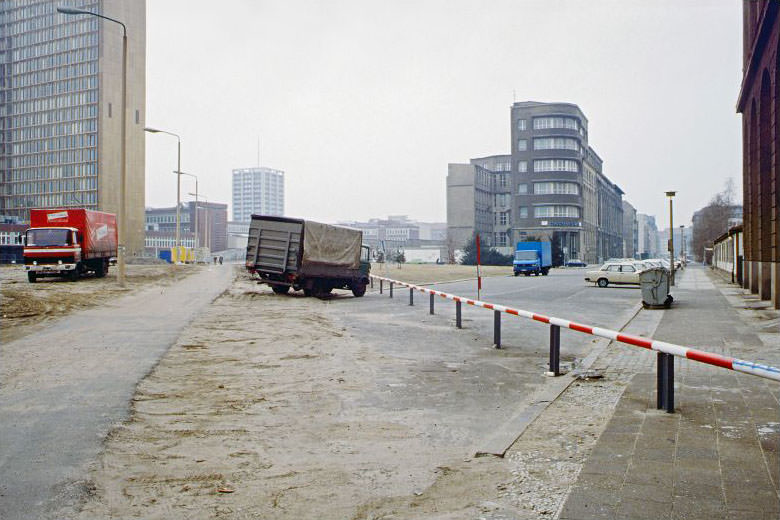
336 246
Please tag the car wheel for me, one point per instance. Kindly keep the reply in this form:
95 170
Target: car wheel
603 282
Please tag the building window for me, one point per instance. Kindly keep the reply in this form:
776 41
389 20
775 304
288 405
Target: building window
523 212
522 145
522 166
544 123
521 125
556 211
522 189
556 165
500 240
556 143
556 188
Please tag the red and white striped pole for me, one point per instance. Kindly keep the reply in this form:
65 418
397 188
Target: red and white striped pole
479 261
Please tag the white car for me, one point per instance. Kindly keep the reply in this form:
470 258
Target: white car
618 273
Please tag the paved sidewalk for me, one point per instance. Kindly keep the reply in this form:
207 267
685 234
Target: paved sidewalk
717 456
65 387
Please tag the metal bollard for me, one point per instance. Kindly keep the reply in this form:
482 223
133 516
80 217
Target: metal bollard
372 282
555 351
665 379
391 289
430 310
458 322
497 329
381 286
411 296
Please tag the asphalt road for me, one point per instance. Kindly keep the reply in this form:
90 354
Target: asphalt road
74 383
454 380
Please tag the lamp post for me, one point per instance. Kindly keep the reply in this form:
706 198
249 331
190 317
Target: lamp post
682 245
122 231
197 232
670 245
206 230
178 178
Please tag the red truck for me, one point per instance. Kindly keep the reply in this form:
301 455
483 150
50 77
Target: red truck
69 243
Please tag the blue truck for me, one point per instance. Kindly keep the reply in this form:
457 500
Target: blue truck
532 258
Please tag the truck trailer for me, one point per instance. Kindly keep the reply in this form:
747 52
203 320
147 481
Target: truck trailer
69 242
532 258
287 253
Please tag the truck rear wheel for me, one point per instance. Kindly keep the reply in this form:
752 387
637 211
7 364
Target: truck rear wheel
72 276
280 289
102 269
545 271
31 277
358 290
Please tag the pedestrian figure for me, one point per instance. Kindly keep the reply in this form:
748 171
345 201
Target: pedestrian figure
220 260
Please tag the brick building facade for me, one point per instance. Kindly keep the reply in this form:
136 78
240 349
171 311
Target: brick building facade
758 102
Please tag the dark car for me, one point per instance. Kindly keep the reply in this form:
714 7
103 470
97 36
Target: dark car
576 263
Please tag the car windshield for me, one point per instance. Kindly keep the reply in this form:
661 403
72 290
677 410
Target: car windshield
525 255
48 237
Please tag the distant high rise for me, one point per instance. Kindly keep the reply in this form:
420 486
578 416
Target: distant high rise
61 107
258 191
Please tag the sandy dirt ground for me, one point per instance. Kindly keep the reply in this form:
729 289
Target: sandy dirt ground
25 306
234 423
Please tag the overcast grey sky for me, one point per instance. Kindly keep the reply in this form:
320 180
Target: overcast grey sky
363 103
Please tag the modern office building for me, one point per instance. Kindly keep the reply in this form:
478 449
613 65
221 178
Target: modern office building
257 191
759 101
550 187
60 108
647 236
160 226
630 230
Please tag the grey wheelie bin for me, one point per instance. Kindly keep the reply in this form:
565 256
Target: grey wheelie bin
655 288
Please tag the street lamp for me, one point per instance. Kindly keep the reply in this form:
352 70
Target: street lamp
178 178
682 244
670 245
122 227
208 237
197 234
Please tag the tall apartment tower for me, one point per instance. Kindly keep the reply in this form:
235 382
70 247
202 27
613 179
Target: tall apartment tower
257 190
60 108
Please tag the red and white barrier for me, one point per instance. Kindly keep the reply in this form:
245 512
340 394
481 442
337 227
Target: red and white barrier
738 365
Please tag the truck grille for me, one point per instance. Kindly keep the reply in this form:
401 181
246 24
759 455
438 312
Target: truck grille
48 260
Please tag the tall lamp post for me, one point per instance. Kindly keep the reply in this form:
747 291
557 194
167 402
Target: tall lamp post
178 178
670 245
682 245
206 230
122 231
197 232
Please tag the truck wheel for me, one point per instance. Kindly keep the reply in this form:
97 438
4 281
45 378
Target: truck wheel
308 292
102 270
603 282
280 289
516 273
31 276
545 271
358 290
73 275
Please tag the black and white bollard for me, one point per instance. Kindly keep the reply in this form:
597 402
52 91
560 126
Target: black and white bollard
665 380
411 296
555 351
391 289
458 322
430 309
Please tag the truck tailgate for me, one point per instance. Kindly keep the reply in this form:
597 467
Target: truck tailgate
274 244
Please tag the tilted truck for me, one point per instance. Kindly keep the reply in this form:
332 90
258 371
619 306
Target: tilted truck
532 258
301 254
69 243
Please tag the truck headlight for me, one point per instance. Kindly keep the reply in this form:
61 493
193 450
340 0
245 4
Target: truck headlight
59 262
35 262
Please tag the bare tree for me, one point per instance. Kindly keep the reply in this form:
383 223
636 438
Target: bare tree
713 220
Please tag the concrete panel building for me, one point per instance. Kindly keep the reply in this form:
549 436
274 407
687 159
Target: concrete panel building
758 102
551 187
647 236
630 230
60 109
257 191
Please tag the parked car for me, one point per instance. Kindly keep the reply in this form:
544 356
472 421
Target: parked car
576 263
618 273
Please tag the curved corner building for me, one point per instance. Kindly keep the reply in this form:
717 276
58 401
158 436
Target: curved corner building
551 187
